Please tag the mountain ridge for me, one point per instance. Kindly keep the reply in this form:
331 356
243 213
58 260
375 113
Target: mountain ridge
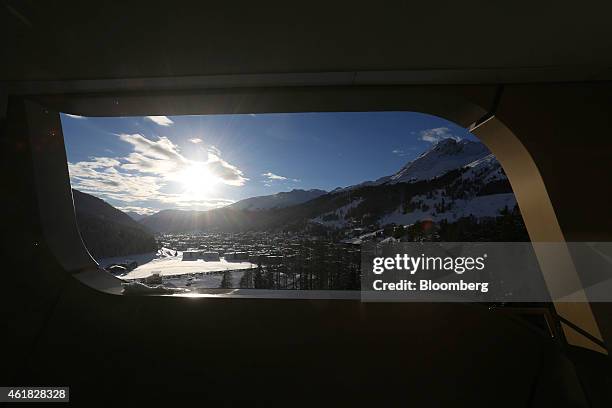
452 180
107 231
278 200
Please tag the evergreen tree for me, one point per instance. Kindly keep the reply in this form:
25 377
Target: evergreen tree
258 279
247 280
226 282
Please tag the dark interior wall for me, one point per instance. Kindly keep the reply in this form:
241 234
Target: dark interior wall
567 128
67 39
230 349
64 332
69 333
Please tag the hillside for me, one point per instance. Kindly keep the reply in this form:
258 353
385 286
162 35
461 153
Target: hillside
279 200
135 216
107 231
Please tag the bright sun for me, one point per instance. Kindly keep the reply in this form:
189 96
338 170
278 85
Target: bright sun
197 180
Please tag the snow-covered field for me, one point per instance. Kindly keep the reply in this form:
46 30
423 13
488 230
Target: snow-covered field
170 263
176 266
140 258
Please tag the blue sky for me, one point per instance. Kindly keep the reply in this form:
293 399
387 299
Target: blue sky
145 164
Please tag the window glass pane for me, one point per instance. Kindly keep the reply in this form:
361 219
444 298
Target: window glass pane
277 201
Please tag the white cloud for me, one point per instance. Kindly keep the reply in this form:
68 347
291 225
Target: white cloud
228 173
75 116
196 140
160 157
180 201
92 177
161 120
161 149
436 134
271 176
214 150
144 174
133 189
163 157
138 210
403 152
101 162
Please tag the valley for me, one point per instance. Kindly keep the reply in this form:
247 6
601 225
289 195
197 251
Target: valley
310 239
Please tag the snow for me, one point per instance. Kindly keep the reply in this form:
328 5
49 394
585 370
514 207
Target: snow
487 159
174 265
137 288
479 165
398 218
370 236
340 212
444 157
482 206
166 252
140 258
205 281
489 205
485 170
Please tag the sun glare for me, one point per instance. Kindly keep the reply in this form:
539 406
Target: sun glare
197 180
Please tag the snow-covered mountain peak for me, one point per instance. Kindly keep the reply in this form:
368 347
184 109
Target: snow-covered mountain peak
446 155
